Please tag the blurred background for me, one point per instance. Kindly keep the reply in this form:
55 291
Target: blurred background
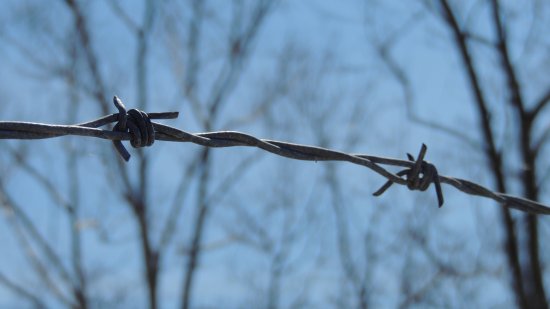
190 227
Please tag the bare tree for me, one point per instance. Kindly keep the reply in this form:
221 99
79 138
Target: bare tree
245 24
527 275
86 79
136 195
523 253
67 284
314 232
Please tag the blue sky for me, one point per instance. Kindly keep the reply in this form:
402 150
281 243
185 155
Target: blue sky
341 87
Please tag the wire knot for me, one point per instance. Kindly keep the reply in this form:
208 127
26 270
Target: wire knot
135 122
418 177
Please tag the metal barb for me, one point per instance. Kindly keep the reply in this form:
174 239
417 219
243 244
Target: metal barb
120 126
418 177
138 124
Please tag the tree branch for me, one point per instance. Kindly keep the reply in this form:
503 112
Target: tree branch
21 292
540 104
491 152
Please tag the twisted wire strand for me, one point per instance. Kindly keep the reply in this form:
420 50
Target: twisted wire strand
418 174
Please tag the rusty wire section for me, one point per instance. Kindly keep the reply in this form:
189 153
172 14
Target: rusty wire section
136 126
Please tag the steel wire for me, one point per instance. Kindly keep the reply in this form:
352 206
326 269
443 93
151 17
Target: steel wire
417 175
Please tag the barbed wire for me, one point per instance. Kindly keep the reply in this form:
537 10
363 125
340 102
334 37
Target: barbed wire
136 126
